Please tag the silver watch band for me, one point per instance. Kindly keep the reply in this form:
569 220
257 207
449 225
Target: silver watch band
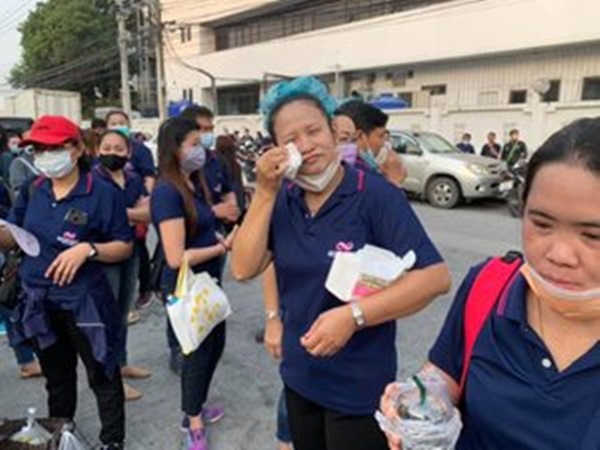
357 315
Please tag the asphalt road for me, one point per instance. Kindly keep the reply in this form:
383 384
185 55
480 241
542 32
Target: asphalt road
247 384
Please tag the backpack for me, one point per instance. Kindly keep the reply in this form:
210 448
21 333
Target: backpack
490 286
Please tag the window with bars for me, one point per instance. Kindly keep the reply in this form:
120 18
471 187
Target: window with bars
314 15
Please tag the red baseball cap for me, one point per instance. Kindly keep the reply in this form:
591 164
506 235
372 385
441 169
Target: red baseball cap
52 130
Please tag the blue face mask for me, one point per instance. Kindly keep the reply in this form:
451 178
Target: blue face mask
194 160
207 140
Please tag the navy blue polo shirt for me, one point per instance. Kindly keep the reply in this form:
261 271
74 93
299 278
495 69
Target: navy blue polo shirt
141 160
217 176
134 185
166 203
90 213
364 209
515 398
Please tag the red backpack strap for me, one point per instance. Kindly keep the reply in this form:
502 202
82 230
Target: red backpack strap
489 286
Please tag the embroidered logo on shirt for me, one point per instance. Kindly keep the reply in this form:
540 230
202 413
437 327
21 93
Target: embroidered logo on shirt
69 238
343 247
217 187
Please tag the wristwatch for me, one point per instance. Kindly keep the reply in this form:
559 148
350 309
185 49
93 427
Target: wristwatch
271 314
357 315
93 254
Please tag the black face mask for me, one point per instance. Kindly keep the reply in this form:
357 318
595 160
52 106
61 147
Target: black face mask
113 162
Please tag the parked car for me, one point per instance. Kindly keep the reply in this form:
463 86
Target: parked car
442 174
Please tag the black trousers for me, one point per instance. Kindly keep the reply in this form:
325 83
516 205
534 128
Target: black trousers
144 270
316 428
59 366
198 370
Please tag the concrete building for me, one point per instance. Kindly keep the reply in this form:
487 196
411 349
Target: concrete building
462 65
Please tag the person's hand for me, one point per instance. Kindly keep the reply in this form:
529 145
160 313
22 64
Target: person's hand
227 242
274 337
226 211
330 332
63 269
393 169
270 169
387 407
142 201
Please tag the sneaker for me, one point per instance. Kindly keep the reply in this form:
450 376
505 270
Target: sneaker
196 440
210 415
145 300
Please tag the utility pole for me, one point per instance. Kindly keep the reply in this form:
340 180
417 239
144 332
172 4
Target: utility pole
123 53
160 63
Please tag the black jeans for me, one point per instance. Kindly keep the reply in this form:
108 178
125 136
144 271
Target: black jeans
144 268
59 366
198 370
316 428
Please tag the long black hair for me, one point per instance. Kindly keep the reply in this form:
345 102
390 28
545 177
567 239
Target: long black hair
171 135
577 143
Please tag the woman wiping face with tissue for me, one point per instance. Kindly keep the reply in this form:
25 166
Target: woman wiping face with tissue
337 353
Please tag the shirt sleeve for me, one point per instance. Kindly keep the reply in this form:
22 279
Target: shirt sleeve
117 227
166 203
142 161
227 184
17 213
448 351
395 225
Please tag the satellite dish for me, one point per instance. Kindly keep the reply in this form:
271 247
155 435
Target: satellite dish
541 86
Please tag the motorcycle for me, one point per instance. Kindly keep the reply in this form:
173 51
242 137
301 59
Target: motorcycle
514 198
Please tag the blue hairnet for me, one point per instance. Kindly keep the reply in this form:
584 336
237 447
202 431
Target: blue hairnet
300 87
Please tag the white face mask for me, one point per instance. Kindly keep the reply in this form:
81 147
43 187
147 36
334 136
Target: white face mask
55 163
319 182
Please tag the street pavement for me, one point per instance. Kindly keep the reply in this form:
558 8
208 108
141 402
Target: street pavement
246 383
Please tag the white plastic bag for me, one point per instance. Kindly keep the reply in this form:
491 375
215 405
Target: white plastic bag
362 273
426 418
32 433
197 306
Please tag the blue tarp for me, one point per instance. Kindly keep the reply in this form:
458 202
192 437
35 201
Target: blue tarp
388 101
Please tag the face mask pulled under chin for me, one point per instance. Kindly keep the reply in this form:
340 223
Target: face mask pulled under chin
319 182
568 303
55 163
313 183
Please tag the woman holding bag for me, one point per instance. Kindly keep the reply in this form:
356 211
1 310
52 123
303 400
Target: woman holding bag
181 211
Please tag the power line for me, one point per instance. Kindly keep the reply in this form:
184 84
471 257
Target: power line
12 17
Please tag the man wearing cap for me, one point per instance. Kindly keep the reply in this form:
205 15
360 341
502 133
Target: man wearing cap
68 308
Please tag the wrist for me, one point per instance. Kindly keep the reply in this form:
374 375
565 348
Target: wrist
91 251
223 248
272 315
357 314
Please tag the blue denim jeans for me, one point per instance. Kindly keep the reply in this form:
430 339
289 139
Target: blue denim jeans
24 353
123 278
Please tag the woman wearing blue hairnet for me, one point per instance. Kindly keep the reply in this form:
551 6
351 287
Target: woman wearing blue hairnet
338 354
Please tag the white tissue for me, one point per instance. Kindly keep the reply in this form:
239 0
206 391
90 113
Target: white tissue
294 160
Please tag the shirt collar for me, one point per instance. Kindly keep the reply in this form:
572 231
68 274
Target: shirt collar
82 188
513 304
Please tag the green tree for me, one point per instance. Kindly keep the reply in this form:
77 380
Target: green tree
72 45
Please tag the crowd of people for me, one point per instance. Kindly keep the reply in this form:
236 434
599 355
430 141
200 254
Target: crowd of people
525 380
